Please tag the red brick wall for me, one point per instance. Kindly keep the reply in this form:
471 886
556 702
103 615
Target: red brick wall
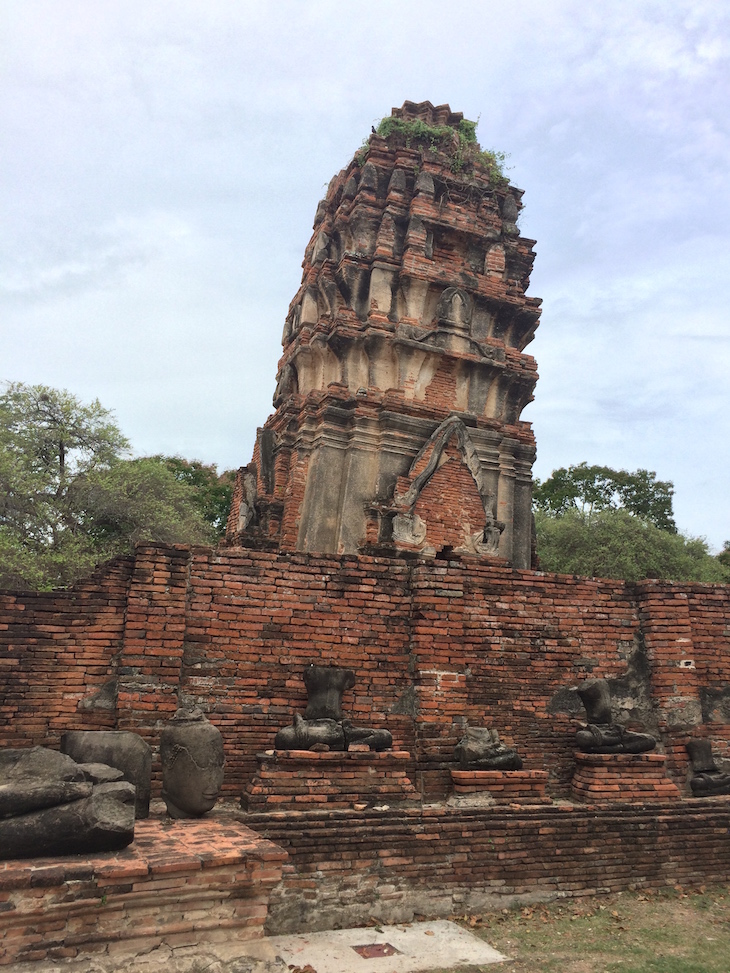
57 650
256 620
450 504
441 391
154 634
433 644
187 884
495 646
687 633
710 624
349 867
294 476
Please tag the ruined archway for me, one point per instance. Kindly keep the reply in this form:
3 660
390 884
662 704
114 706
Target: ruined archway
461 509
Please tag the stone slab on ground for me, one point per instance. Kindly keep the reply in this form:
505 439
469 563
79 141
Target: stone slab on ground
383 949
422 946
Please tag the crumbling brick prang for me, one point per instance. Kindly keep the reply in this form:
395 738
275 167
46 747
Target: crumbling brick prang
404 374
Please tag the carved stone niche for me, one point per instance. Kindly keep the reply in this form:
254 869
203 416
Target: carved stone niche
249 495
286 384
455 309
409 529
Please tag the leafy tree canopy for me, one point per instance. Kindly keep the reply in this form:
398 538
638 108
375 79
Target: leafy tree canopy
213 491
70 496
617 544
590 489
599 522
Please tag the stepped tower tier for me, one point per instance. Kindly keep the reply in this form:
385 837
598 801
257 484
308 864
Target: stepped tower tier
403 377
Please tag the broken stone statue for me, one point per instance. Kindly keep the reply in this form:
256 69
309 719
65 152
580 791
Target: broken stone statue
322 727
191 752
602 734
122 749
51 805
707 779
480 749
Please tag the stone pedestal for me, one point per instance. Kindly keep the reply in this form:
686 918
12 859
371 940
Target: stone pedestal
503 786
601 777
302 780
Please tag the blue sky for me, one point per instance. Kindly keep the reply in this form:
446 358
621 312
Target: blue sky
162 162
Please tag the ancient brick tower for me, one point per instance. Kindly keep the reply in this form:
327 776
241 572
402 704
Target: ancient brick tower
397 425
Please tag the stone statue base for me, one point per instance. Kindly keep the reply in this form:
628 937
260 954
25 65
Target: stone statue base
608 777
502 786
303 780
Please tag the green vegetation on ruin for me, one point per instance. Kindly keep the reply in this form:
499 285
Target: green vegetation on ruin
459 143
71 496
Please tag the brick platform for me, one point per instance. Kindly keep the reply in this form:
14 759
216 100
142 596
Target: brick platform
347 867
601 777
299 779
504 786
178 883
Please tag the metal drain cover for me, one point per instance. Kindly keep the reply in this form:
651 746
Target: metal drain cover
373 950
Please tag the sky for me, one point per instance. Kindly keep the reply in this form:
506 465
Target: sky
161 164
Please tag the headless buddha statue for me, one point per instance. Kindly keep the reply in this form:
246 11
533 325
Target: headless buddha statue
602 734
323 727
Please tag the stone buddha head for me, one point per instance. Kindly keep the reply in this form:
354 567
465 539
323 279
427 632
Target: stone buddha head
191 751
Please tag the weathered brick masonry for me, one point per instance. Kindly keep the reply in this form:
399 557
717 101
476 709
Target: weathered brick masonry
383 525
433 644
345 867
404 372
57 651
192 883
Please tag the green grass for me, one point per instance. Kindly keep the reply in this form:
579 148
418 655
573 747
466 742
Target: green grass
678 931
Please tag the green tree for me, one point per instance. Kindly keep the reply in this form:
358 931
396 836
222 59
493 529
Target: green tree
599 522
137 500
47 439
617 544
590 489
69 495
213 491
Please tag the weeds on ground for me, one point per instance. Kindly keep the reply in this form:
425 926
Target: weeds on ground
671 931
